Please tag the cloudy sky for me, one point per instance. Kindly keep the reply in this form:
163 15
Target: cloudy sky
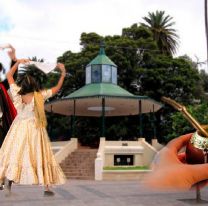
47 28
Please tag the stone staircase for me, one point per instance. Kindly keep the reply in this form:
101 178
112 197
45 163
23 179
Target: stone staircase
80 164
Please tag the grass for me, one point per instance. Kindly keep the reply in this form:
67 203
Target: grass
127 168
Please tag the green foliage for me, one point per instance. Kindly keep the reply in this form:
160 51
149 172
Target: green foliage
124 128
181 126
204 80
59 127
35 59
88 131
165 76
33 71
161 27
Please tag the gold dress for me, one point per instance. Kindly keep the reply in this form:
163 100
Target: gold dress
26 156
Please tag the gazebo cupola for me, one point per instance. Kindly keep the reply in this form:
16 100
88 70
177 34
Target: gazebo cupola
101 69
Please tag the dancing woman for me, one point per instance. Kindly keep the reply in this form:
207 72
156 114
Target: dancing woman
26 156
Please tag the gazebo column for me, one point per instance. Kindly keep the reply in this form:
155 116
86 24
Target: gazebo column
73 118
140 120
154 120
103 118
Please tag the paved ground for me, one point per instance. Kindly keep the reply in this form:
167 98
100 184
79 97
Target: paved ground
104 193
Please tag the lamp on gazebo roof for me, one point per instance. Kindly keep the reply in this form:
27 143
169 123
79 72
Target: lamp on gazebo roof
101 69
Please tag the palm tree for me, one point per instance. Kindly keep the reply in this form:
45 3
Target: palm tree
163 33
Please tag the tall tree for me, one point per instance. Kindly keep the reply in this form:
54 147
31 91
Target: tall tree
163 33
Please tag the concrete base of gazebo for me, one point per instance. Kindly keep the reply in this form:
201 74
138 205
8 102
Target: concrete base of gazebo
142 154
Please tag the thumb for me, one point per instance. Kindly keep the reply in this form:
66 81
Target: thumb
199 172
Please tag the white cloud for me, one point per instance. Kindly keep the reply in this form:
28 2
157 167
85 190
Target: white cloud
46 29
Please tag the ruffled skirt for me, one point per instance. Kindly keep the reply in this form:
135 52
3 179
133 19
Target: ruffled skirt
26 156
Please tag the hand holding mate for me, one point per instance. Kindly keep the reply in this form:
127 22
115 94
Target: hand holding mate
170 170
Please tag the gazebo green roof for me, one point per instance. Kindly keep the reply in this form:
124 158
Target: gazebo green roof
101 58
118 102
100 90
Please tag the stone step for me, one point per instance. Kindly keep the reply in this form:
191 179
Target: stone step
78 169
85 152
81 178
72 164
79 159
77 174
75 171
75 162
78 162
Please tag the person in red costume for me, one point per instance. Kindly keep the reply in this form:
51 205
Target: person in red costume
7 108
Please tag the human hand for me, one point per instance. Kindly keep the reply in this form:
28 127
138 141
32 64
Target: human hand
23 61
12 53
170 170
61 67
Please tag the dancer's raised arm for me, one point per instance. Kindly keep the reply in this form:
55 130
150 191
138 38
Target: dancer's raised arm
56 88
11 72
12 54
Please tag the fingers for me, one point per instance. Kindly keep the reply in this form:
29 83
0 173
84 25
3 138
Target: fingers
182 157
199 172
23 61
61 67
177 143
12 48
11 53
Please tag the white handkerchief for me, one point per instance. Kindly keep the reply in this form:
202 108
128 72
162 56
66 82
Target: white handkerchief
6 63
46 67
4 46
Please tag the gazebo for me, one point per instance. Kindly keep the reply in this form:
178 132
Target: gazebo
102 97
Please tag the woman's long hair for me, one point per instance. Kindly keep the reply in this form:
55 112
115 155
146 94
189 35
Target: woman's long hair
28 84
30 79
2 69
